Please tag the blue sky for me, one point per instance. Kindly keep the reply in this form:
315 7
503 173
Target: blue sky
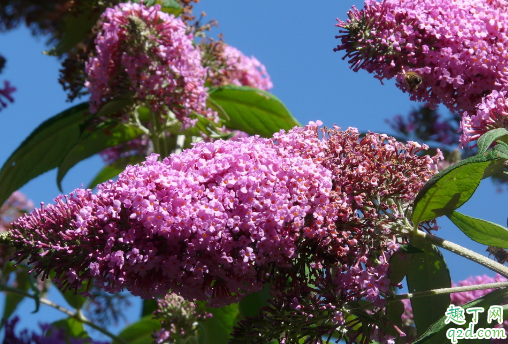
295 41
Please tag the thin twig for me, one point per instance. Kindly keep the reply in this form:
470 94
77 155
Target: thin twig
76 315
448 290
464 252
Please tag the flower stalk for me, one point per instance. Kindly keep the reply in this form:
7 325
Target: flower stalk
76 315
462 251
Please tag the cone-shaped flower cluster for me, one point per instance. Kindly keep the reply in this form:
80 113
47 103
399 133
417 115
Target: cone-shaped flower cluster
492 113
457 47
239 69
231 67
221 219
14 207
145 54
375 181
178 318
208 223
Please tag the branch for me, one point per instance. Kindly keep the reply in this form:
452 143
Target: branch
464 252
448 290
76 315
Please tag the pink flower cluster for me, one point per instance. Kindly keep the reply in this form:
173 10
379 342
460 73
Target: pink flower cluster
375 179
14 207
374 173
140 146
238 69
467 296
457 47
491 113
209 223
241 70
218 221
179 319
145 54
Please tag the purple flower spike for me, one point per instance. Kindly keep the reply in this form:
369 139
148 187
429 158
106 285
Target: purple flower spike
458 48
145 54
208 224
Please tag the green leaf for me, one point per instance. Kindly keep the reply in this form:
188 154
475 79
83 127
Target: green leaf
33 283
451 188
140 332
72 327
114 169
251 110
486 139
76 27
149 306
502 148
399 266
113 106
394 312
74 299
406 248
400 263
484 232
12 300
217 329
42 151
428 271
252 303
495 165
104 136
436 334
220 111
168 6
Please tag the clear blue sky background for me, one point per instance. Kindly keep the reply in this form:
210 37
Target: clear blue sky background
294 40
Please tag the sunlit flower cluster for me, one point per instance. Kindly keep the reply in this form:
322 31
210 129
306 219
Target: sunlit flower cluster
239 69
145 54
220 220
376 179
14 207
457 47
491 113
208 223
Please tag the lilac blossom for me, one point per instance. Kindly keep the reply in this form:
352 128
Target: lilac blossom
457 47
375 180
179 319
14 207
239 69
491 113
145 54
209 223
234 68
220 220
